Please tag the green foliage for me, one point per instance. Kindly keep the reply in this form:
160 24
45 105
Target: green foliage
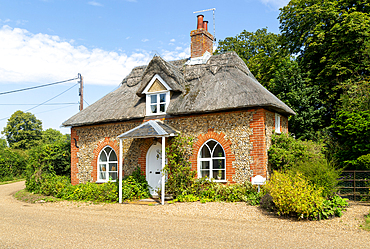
3 143
332 41
134 188
178 169
351 130
23 130
293 195
320 174
286 151
280 73
331 208
50 136
50 158
260 50
12 164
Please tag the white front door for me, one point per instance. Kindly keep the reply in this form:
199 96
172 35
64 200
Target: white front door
154 167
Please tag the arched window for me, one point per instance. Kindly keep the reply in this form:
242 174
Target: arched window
107 165
212 161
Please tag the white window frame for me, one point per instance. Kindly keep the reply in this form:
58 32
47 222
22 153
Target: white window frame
277 123
149 104
210 160
158 93
99 180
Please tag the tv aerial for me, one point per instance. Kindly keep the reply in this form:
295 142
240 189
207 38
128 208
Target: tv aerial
214 26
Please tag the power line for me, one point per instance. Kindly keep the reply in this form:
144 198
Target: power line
53 97
43 103
46 104
34 87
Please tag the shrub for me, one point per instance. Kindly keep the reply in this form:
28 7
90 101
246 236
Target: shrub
134 189
286 151
293 195
180 176
332 207
12 164
319 173
50 158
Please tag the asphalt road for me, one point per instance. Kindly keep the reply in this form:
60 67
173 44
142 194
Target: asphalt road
193 225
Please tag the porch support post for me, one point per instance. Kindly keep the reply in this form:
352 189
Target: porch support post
120 171
163 164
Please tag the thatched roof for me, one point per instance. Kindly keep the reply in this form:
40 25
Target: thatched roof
223 83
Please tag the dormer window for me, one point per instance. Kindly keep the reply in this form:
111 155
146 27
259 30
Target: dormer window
157 96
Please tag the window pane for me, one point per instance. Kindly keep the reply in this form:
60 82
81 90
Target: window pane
162 97
102 167
218 163
218 152
153 99
102 175
204 165
204 173
102 157
211 144
218 174
153 108
113 176
113 156
162 107
112 166
204 153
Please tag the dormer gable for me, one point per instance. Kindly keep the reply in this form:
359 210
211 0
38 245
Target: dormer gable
157 96
168 72
156 84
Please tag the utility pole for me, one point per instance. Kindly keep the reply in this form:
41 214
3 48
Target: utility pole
81 92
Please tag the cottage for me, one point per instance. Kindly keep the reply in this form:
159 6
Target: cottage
213 98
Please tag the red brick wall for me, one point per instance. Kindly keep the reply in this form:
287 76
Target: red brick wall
98 148
258 139
201 41
143 151
74 158
201 139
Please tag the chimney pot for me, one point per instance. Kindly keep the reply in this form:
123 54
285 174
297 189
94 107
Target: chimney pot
205 25
200 22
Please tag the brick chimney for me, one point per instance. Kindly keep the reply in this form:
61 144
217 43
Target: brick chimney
201 39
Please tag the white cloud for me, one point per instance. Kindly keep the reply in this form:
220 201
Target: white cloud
175 55
172 40
93 3
145 40
275 3
42 58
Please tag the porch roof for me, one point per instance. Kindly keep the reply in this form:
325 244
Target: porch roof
151 128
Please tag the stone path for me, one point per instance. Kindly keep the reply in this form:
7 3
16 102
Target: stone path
181 225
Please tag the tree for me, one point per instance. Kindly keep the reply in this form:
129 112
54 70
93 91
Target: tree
3 143
332 41
23 130
280 73
50 136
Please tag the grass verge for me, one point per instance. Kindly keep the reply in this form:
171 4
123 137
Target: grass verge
366 225
25 196
15 180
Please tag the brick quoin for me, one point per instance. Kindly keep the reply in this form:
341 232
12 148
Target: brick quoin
114 144
74 158
201 139
258 140
143 151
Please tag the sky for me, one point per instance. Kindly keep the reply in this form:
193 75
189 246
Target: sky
47 41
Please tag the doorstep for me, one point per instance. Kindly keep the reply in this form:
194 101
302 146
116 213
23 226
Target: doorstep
149 201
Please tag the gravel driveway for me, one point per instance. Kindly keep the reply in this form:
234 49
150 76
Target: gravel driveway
183 225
